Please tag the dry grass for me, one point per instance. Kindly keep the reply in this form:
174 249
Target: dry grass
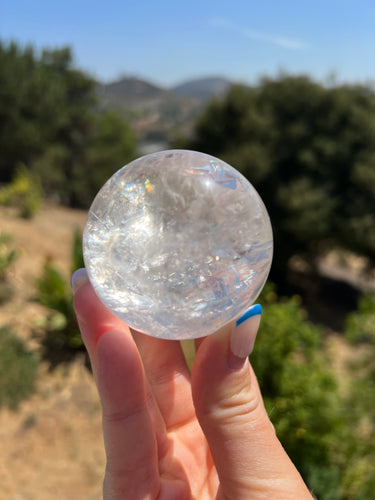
51 448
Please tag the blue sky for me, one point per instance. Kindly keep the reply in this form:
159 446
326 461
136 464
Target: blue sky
170 41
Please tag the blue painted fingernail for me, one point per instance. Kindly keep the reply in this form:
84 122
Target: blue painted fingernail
243 337
79 277
253 311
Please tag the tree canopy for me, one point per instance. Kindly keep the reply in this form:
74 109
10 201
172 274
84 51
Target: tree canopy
309 149
49 121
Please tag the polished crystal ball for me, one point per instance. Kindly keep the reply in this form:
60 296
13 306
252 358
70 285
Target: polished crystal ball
177 244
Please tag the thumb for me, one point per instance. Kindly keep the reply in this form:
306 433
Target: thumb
249 458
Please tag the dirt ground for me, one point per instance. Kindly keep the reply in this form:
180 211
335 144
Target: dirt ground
51 448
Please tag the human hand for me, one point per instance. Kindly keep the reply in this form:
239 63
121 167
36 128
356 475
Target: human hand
172 435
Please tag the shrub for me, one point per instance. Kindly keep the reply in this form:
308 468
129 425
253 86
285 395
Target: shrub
7 257
18 367
359 477
360 325
299 390
77 251
24 193
7 254
326 428
61 337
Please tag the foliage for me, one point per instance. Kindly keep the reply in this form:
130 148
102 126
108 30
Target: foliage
110 146
49 121
360 331
327 428
24 193
310 152
299 391
61 337
18 367
77 251
7 256
360 325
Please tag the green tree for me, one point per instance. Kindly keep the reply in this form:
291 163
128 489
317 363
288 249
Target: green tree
110 146
20 138
49 121
73 100
309 150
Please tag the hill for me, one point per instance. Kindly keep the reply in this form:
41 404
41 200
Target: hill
130 91
203 89
158 114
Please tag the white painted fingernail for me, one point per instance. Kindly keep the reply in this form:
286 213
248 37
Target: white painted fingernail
79 278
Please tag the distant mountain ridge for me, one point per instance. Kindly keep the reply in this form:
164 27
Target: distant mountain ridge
129 87
129 91
203 88
157 113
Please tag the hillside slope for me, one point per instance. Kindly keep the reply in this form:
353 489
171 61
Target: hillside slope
156 113
52 446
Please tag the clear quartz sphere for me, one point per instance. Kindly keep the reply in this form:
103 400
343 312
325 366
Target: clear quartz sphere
177 244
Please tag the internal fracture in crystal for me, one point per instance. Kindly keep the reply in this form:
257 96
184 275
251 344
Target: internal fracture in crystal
177 244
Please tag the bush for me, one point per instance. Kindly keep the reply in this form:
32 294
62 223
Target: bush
18 367
326 428
61 337
360 407
7 257
360 325
300 391
77 251
24 193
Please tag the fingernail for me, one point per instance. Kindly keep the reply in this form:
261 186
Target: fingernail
243 336
79 278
